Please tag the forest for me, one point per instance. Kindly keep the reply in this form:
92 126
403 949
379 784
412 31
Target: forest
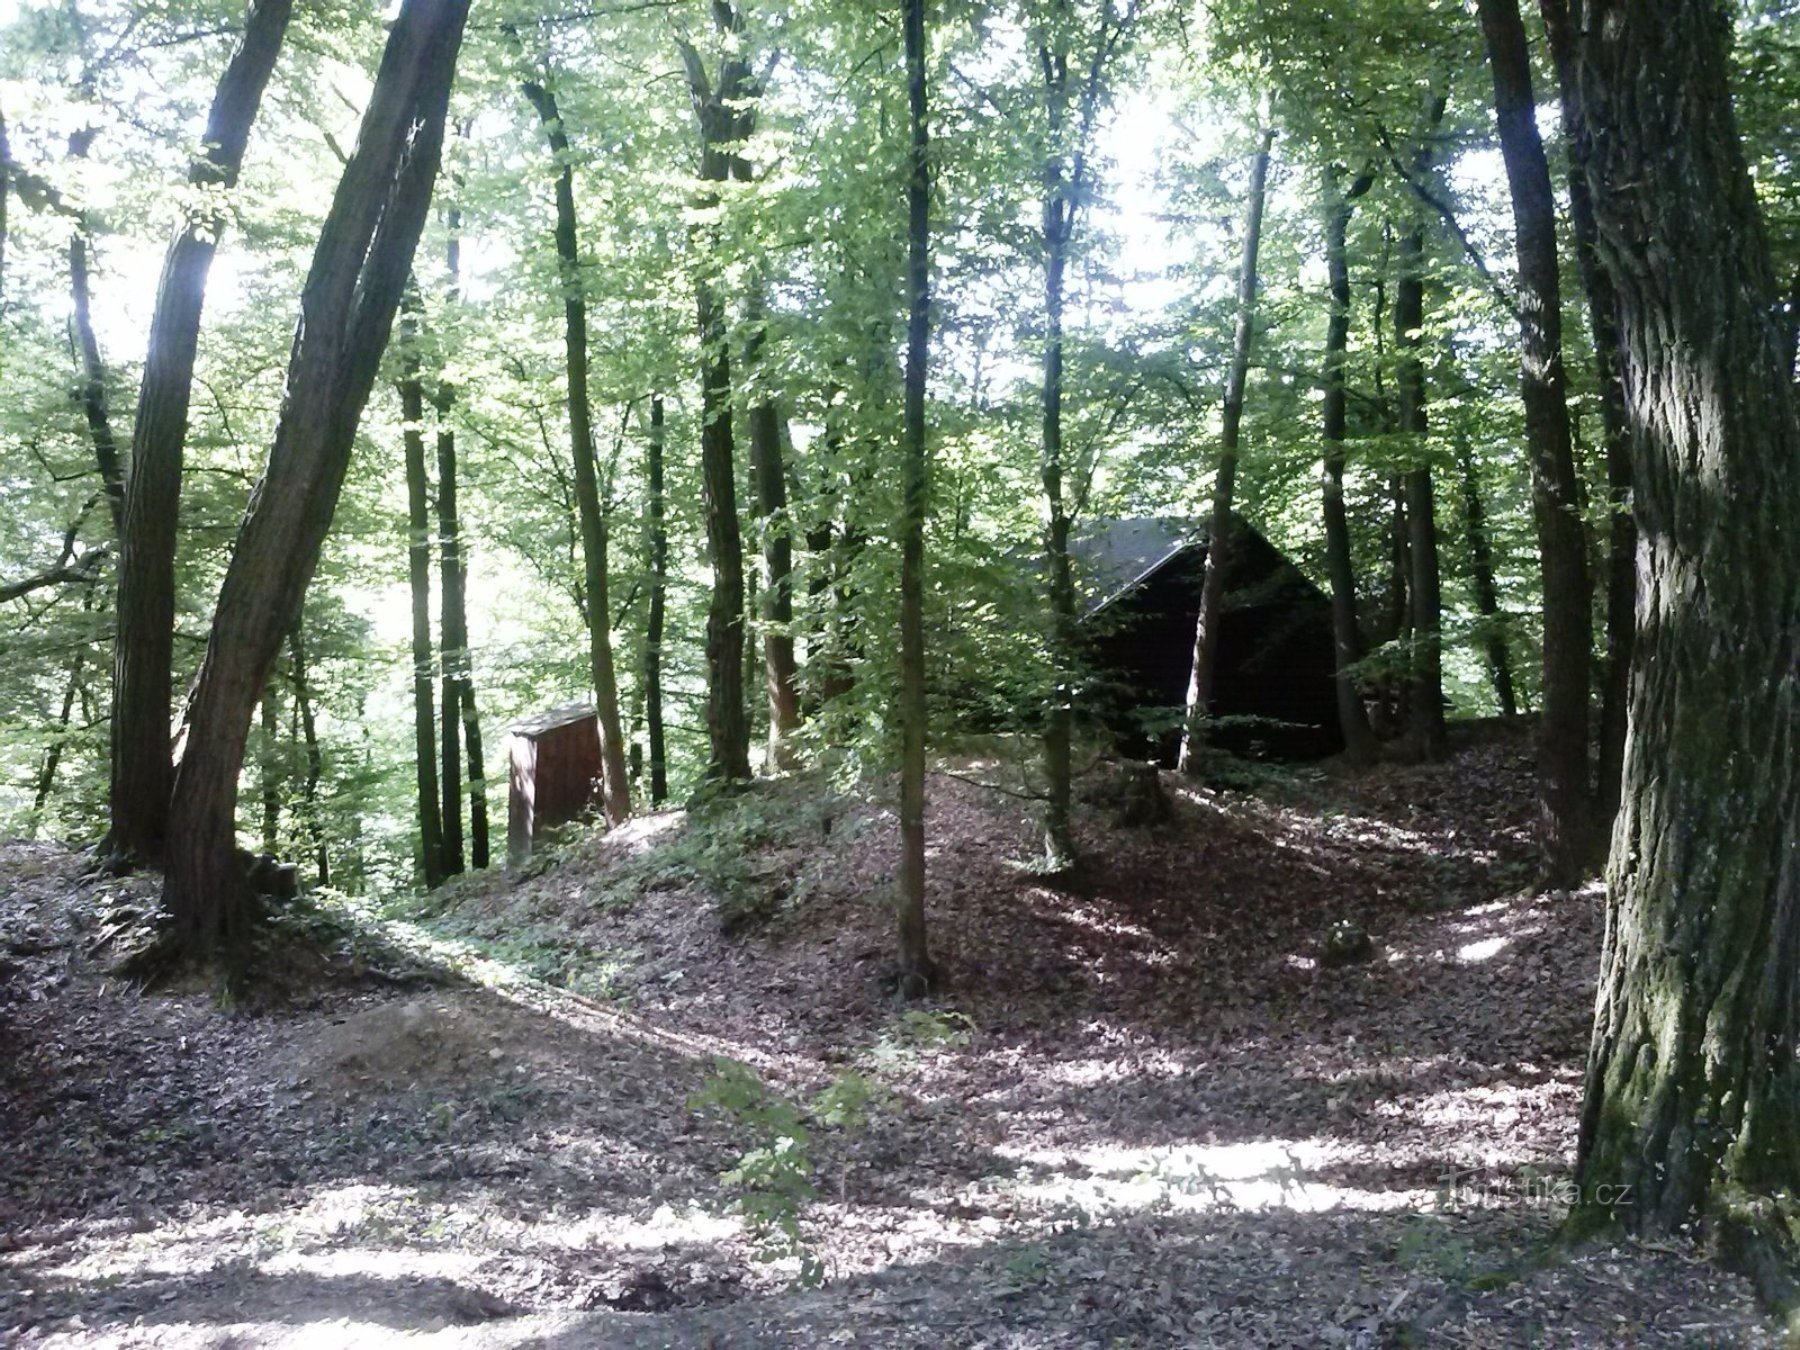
944 672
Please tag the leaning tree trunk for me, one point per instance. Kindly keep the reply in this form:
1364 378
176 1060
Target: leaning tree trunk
916 968
1487 593
142 770
615 785
1693 1086
418 575
1562 754
353 287
1219 535
1359 739
1603 323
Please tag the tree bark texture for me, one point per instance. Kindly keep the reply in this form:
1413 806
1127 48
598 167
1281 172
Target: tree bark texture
1359 739
615 785
1563 764
142 769
359 269
1692 1107
1219 533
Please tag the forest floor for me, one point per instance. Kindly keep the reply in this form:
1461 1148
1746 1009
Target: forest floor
1142 1111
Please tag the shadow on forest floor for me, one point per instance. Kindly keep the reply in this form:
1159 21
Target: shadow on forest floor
1143 1112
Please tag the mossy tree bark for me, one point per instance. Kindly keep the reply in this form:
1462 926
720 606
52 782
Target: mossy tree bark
1692 1109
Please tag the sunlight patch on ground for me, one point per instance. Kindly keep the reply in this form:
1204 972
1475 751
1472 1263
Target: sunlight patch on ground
380 1233
1473 953
1493 1107
1255 1175
1111 1069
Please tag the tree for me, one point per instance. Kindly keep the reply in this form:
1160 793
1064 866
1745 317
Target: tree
142 768
615 786
1603 324
418 573
1220 529
723 111
359 269
1692 1104
1071 112
1563 776
1425 699
1359 740
916 968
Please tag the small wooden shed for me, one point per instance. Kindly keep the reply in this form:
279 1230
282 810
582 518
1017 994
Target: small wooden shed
553 773
1273 690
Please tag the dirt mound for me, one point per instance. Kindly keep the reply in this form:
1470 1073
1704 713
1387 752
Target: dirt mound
437 1038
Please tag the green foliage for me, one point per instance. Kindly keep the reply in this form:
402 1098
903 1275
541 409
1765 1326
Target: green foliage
775 1180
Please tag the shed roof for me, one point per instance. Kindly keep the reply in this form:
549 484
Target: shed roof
1113 556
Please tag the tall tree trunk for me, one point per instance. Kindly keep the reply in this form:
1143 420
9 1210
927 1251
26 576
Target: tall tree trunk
142 770
653 629
778 564
456 688
916 968
1059 720
1564 823
1603 323
1693 1087
353 287
315 755
615 785
53 753
1220 532
1425 697
724 112
269 771
418 572
1359 740
1487 594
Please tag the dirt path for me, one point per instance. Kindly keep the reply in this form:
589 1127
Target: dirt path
1145 1113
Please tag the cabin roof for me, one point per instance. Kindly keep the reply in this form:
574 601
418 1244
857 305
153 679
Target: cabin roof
1114 557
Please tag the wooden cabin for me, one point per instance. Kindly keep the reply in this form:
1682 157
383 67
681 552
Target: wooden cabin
1273 692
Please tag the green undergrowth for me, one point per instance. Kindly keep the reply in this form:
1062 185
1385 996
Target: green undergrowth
754 855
